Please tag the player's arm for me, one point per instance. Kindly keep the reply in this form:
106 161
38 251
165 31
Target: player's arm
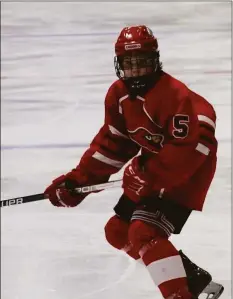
111 148
108 152
192 140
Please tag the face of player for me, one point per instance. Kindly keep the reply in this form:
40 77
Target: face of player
136 65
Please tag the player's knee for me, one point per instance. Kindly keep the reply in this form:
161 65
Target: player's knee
116 232
141 233
150 242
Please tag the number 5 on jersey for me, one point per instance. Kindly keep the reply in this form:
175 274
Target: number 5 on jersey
180 125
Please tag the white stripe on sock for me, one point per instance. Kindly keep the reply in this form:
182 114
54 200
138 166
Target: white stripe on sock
166 269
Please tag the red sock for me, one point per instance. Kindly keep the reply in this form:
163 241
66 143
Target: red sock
161 259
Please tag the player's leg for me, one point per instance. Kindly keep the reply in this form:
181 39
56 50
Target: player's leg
171 217
149 233
122 235
116 231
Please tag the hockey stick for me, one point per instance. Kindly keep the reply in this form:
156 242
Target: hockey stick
41 196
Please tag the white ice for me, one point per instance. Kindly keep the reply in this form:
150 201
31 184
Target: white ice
57 64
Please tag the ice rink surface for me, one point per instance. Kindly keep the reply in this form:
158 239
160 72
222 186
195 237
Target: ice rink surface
57 64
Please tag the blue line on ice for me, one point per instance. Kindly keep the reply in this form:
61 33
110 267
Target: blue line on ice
44 146
59 35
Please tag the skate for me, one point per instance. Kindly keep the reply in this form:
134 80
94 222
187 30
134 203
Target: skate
200 281
213 290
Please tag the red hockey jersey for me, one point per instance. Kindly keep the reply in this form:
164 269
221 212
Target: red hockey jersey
172 126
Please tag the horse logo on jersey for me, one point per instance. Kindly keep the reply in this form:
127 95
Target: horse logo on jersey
146 139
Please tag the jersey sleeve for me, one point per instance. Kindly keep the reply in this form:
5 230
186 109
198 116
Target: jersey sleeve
191 141
111 148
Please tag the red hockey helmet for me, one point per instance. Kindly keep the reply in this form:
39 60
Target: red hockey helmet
136 38
137 61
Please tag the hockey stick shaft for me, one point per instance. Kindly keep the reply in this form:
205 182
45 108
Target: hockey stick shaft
41 196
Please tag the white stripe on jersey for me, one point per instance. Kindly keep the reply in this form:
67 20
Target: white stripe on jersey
106 160
120 100
206 120
116 132
203 149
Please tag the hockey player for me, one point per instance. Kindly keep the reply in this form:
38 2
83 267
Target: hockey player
169 131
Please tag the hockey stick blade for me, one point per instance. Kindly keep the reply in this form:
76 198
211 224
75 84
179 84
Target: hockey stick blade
41 196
